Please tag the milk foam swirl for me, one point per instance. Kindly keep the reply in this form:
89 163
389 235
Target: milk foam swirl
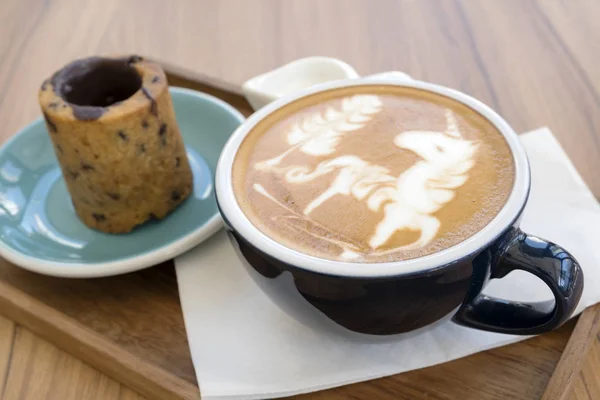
408 201
319 134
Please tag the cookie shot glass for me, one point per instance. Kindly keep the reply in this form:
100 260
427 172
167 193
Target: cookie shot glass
113 128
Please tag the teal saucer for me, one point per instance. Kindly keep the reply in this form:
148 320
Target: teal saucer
39 230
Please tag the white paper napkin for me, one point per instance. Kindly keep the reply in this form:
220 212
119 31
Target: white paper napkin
244 347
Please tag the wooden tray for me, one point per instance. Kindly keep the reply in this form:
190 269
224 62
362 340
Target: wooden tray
131 328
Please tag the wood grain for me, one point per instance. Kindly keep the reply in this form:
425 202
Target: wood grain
36 373
102 322
534 62
587 384
39 371
575 354
127 394
7 336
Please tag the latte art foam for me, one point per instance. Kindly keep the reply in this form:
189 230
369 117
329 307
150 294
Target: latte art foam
368 177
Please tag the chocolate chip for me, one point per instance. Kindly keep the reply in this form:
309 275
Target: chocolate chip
134 59
153 105
96 156
162 133
85 113
141 148
145 124
152 216
155 79
99 217
50 123
123 136
177 161
72 174
87 167
76 151
175 195
53 105
114 196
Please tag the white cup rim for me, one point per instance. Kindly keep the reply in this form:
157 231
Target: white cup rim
507 216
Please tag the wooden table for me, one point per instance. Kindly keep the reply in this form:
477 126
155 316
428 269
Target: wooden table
536 62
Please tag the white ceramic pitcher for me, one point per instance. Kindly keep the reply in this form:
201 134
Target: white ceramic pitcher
300 74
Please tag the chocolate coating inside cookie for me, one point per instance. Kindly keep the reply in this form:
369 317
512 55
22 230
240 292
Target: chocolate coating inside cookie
92 84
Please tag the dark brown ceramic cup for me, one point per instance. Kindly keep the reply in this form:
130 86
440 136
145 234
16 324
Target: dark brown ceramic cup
398 297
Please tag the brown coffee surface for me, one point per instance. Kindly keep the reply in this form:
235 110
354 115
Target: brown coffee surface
372 174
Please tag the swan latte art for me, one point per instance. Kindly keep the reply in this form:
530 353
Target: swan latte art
372 174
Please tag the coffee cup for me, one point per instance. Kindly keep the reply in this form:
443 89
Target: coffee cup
385 204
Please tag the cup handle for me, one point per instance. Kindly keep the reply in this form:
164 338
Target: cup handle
551 263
